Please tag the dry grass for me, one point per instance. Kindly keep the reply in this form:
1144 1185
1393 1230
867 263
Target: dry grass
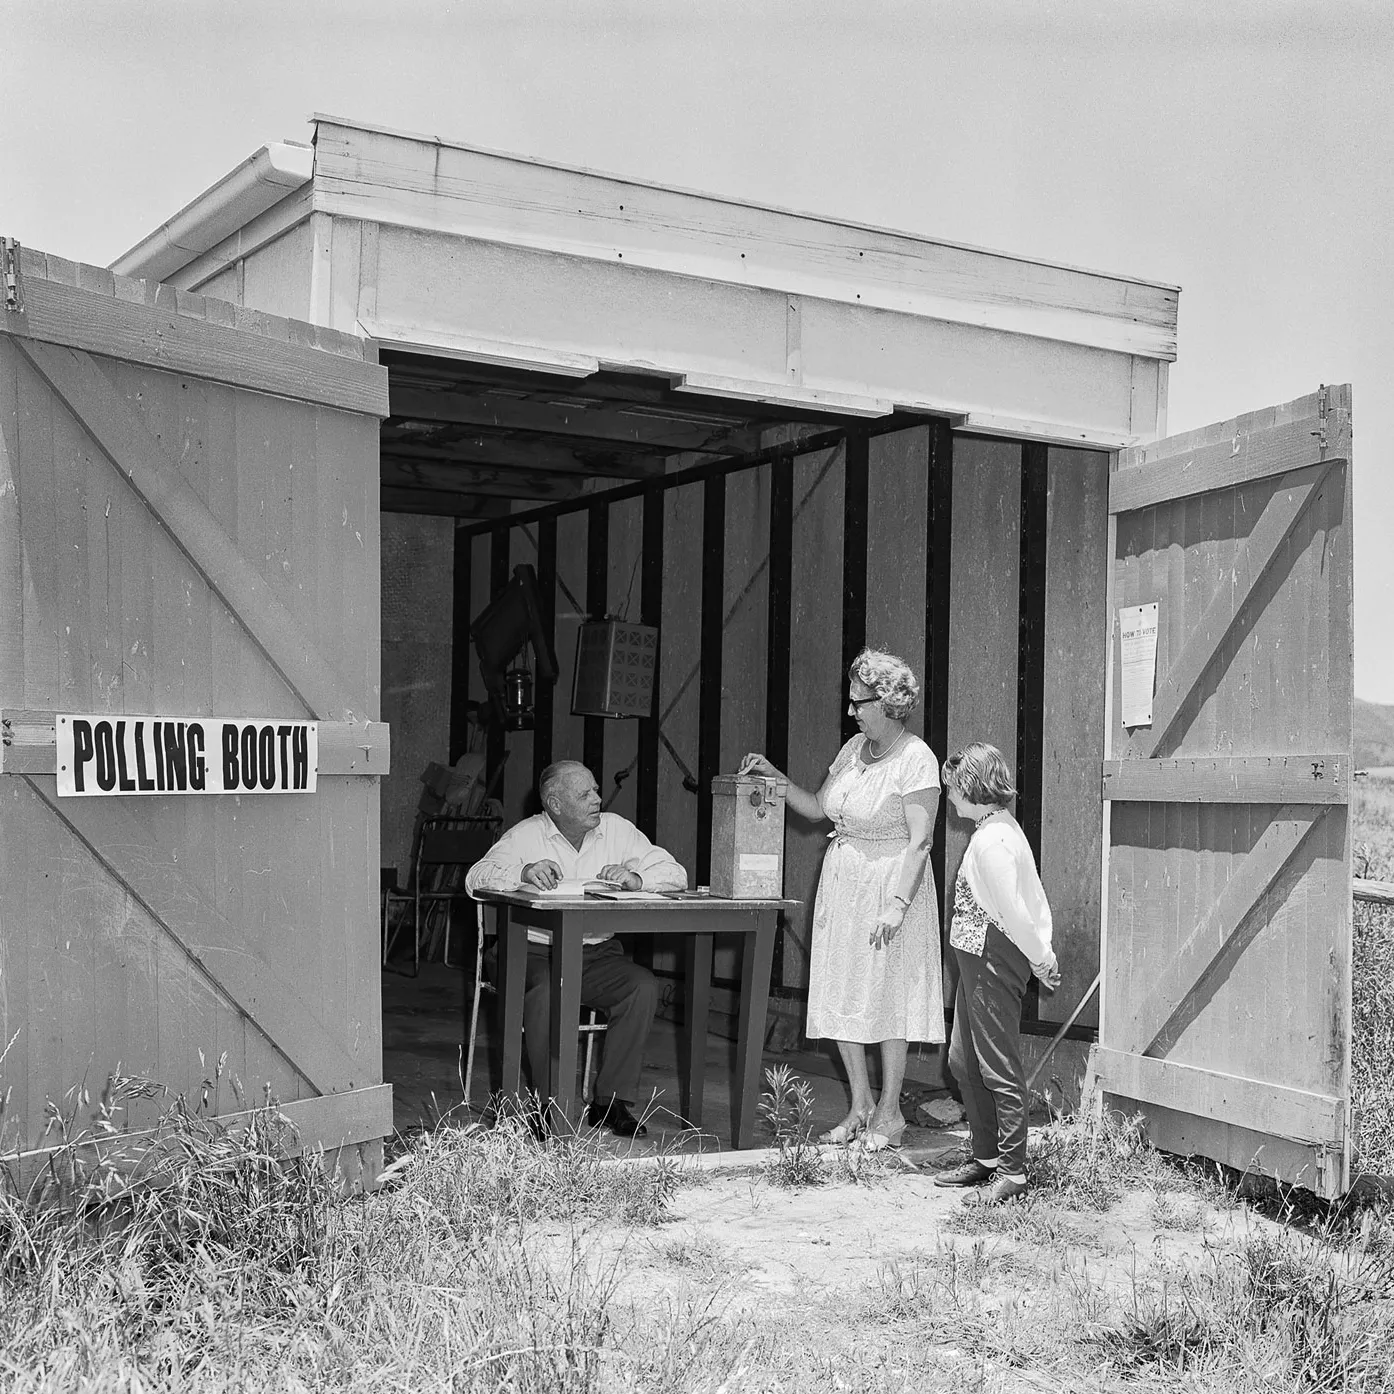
200 1261
1372 813
1372 1018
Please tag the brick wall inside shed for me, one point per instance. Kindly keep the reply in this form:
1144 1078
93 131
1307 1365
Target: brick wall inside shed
417 570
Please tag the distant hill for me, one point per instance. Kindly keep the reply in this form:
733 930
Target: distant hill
1373 735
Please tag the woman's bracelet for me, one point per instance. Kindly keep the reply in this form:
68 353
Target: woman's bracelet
901 899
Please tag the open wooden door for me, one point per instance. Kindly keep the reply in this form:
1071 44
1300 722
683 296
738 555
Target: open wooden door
188 529
1226 953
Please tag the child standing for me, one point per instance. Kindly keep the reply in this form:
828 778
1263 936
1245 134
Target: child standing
1001 935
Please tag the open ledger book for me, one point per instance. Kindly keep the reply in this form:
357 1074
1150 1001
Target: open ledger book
579 888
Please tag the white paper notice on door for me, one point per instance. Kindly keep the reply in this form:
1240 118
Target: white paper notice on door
1137 628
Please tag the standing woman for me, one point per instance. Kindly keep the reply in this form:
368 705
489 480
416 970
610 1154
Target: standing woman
1000 935
874 975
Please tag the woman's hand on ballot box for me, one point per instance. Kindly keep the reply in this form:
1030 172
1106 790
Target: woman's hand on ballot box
805 804
757 764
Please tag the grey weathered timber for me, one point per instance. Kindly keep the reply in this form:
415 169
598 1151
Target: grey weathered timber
1226 970
175 540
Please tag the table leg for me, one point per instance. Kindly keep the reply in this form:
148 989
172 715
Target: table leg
756 958
513 960
566 1015
692 1045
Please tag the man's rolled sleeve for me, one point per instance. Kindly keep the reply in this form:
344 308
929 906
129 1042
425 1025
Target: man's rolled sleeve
501 867
656 867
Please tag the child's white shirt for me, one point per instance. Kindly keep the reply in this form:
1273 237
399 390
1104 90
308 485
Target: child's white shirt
1001 873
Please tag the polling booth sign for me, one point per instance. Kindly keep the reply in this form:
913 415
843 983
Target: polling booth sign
100 755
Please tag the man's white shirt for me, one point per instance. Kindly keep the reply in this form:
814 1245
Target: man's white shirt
614 842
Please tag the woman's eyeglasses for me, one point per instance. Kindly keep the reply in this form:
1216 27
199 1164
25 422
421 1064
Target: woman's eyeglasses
861 701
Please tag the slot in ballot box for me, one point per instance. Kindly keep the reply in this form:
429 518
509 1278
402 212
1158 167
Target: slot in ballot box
748 836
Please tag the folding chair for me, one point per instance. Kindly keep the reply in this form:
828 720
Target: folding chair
446 847
590 1028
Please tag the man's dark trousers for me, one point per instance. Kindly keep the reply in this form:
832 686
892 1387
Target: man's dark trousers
610 981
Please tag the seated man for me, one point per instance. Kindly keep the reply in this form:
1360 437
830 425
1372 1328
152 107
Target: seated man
574 839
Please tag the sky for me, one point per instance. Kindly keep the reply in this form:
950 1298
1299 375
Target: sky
1243 151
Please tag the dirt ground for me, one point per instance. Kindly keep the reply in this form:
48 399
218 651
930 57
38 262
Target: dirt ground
895 1283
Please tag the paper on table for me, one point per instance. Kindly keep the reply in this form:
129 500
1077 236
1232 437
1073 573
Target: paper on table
613 894
1137 628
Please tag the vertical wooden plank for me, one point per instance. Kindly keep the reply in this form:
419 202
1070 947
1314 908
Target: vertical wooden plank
39 525
498 579
11 538
817 688
597 607
678 683
519 802
1072 693
625 548
709 683
568 730
73 459
651 612
745 609
778 600
345 249
937 608
1031 623
897 502
461 645
368 271
546 696
984 591
18 915
854 542
107 500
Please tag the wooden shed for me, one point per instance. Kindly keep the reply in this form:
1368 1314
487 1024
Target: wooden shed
777 437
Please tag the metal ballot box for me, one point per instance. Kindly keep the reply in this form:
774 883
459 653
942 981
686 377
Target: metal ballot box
748 836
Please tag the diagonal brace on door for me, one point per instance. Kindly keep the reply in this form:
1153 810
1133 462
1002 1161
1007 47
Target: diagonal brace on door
149 469
1182 977
1289 500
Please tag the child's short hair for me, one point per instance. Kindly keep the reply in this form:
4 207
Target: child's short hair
980 774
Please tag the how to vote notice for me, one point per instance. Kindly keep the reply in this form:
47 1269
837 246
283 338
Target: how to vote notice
105 755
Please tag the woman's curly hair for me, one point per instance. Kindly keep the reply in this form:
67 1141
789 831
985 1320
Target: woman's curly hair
890 678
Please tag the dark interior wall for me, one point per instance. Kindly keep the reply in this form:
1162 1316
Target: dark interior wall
417 610
981 561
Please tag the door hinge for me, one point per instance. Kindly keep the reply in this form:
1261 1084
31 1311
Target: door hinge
9 269
1323 409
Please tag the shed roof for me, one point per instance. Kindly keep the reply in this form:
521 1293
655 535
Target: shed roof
438 248
435 184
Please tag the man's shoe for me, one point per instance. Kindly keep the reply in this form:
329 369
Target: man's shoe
616 1116
971 1173
1003 1189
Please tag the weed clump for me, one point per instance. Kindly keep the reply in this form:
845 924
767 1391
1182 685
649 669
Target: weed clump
787 1106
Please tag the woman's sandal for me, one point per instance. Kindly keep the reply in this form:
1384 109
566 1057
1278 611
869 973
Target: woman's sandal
841 1135
877 1141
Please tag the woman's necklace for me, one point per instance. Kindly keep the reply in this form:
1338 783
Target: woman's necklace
874 755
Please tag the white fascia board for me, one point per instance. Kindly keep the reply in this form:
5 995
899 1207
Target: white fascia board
258 183
428 184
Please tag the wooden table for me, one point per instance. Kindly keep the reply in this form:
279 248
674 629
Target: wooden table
697 919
